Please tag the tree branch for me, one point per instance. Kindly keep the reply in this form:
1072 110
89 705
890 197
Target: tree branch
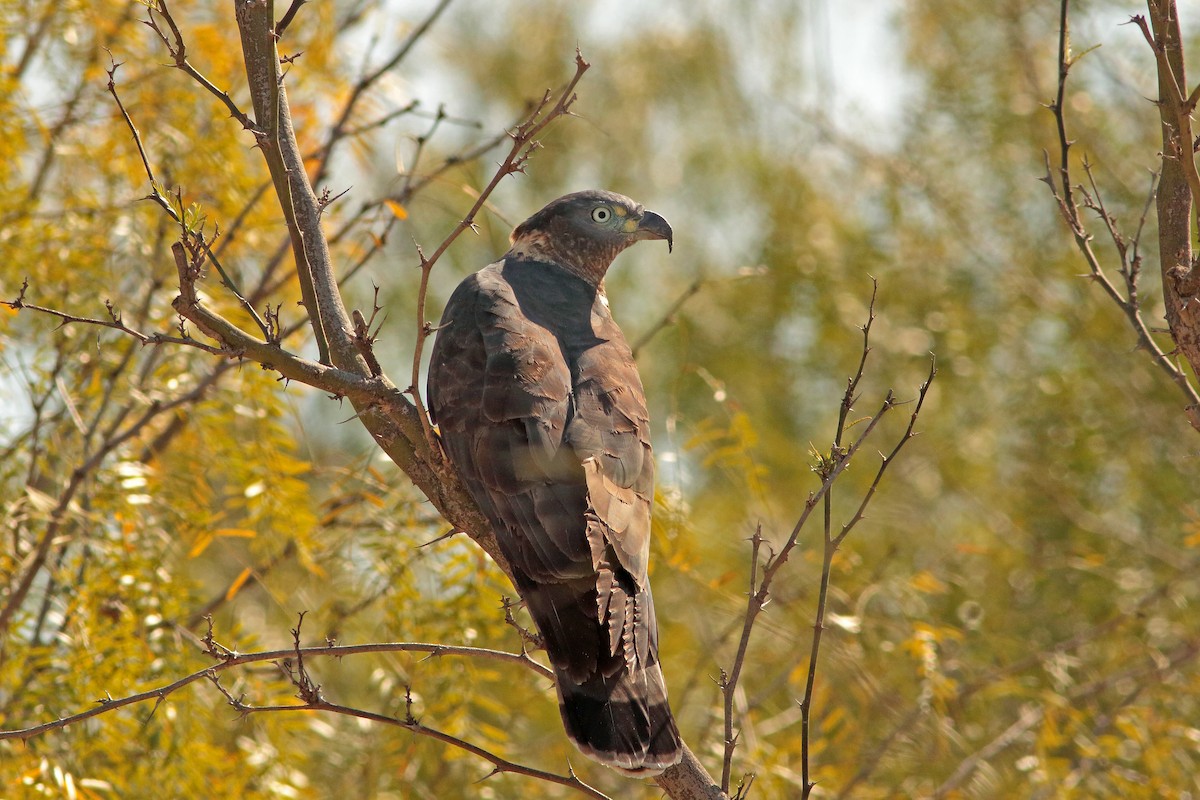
1174 204
1179 193
178 51
829 468
230 659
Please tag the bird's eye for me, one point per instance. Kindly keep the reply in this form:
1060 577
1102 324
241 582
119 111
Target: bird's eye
601 214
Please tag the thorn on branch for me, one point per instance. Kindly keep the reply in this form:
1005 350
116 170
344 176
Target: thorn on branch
325 200
19 302
364 341
527 637
274 328
409 719
212 647
1140 21
306 690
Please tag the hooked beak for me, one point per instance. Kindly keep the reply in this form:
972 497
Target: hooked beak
652 226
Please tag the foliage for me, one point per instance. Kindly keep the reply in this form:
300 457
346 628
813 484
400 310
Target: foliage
1012 618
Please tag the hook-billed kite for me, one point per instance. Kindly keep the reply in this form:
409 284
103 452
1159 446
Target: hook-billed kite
541 409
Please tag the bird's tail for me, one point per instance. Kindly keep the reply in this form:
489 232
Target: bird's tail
611 691
622 721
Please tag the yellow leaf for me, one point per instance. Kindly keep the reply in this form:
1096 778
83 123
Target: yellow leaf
928 583
238 583
492 732
398 210
833 719
723 579
238 533
207 538
202 543
1193 540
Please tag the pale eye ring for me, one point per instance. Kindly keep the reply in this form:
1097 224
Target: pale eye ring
601 214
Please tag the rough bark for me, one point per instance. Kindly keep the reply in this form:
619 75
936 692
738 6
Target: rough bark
1180 279
391 418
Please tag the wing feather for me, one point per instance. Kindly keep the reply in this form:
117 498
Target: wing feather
541 409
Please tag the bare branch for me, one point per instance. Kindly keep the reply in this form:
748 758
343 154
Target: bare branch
288 16
829 468
193 239
524 143
1172 186
669 315
1178 202
230 659
178 51
1177 113
339 129
115 322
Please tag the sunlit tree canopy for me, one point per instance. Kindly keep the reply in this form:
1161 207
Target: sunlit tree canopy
1012 617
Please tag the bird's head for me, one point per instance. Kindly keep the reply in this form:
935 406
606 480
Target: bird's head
583 232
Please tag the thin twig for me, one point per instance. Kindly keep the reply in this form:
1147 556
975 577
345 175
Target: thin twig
829 469
287 17
230 659
55 136
178 52
194 240
669 315
338 131
114 321
830 545
1069 210
1180 107
729 682
499 765
524 143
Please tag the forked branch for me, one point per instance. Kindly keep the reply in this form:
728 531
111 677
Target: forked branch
829 468
1174 204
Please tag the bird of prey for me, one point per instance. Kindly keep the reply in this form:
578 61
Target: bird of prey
540 408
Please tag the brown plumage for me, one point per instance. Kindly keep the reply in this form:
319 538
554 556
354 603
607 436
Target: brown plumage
541 409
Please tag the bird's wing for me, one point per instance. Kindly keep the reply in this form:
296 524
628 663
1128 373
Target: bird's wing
500 391
541 409
610 435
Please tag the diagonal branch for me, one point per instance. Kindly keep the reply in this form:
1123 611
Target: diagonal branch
1174 206
339 129
194 239
829 468
178 51
1179 195
523 144
230 659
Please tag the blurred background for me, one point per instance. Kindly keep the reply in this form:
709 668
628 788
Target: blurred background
1014 618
